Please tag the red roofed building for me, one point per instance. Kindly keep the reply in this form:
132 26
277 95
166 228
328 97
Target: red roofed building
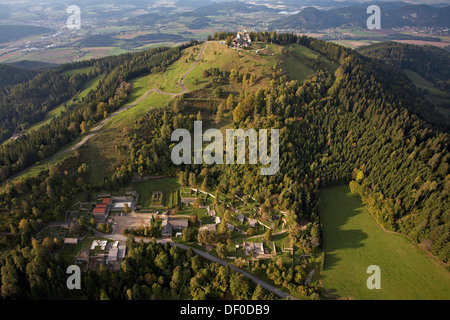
99 210
106 200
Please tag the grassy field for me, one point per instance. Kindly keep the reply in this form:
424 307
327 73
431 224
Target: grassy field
49 116
168 81
88 86
147 188
353 241
423 83
78 71
299 63
152 101
217 55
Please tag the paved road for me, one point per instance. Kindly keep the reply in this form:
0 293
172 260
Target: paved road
97 128
116 236
256 280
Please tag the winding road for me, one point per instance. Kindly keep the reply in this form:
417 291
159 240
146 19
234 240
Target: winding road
120 237
256 280
99 126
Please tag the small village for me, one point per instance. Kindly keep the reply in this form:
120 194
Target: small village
185 215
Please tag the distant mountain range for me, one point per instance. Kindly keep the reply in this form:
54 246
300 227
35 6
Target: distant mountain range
392 15
222 8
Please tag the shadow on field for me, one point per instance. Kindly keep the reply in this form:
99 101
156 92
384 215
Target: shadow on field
345 239
339 207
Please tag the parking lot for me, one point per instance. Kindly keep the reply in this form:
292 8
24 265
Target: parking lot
130 220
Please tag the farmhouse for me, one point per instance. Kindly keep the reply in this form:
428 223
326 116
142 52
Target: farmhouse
209 227
72 241
252 223
16 136
169 224
254 249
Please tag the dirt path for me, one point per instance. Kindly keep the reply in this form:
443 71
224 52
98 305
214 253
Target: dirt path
180 83
99 126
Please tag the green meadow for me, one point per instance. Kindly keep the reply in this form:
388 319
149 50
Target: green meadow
49 116
88 86
299 63
423 83
165 185
79 71
352 241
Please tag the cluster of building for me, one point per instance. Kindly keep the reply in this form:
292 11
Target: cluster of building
101 210
102 252
242 40
432 30
108 204
252 223
212 227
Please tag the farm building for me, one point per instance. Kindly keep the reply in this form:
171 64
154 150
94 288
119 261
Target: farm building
100 211
169 224
253 223
72 241
117 254
254 249
210 227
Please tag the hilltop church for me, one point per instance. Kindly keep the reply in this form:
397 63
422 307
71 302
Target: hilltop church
242 39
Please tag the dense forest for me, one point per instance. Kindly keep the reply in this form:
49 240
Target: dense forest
428 61
353 126
150 271
11 75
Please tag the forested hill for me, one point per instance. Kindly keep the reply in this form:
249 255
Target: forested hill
424 66
428 61
28 102
10 75
350 125
392 15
